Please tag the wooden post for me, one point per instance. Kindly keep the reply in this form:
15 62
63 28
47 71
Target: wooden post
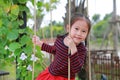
114 27
112 66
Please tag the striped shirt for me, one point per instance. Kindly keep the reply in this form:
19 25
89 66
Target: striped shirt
59 66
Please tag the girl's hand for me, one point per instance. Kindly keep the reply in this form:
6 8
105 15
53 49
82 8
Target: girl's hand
70 43
36 40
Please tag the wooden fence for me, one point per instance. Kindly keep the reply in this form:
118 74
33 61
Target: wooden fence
105 65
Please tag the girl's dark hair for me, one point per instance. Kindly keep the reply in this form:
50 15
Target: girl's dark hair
74 18
79 16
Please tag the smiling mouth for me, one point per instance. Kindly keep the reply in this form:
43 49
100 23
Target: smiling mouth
78 38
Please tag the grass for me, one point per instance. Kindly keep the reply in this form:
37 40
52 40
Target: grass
8 67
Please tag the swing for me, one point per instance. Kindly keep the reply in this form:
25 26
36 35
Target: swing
89 54
51 38
34 34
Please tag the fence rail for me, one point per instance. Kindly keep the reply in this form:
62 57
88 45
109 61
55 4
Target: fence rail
105 63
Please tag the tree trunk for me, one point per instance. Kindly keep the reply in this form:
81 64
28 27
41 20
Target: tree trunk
75 7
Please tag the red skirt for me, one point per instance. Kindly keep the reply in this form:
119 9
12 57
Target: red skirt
45 75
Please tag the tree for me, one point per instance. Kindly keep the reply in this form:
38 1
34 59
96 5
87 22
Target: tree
96 18
42 7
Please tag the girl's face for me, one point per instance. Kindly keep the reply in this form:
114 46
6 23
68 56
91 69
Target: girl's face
79 31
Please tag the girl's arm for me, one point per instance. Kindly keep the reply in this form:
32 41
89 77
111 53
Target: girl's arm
77 57
43 46
48 48
77 60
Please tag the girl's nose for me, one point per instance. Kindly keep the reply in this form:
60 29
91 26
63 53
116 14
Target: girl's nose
79 33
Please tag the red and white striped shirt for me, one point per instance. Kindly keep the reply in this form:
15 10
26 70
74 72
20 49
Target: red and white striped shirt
59 66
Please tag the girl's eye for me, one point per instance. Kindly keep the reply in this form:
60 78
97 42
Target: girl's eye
76 28
84 31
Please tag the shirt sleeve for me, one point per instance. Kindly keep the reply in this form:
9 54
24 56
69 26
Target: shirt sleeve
48 48
77 60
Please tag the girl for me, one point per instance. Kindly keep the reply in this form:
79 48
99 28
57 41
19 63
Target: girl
58 69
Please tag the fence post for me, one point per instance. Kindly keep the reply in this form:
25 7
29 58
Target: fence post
112 66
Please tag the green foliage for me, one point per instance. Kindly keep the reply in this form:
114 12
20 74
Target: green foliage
51 5
13 46
107 16
100 31
96 18
57 31
100 28
15 10
12 35
46 31
22 1
15 41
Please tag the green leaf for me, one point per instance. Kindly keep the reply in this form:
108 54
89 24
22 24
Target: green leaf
2 2
1 23
5 21
13 17
3 42
3 32
28 49
29 31
40 4
22 1
12 35
29 76
7 7
21 31
17 52
47 5
15 10
13 46
15 24
24 40
2 50
24 72
20 22
18 73
23 8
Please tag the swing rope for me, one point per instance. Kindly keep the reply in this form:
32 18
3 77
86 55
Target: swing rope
51 36
89 54
69 33
34 34
51 29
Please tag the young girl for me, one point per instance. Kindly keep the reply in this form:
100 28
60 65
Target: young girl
58 69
